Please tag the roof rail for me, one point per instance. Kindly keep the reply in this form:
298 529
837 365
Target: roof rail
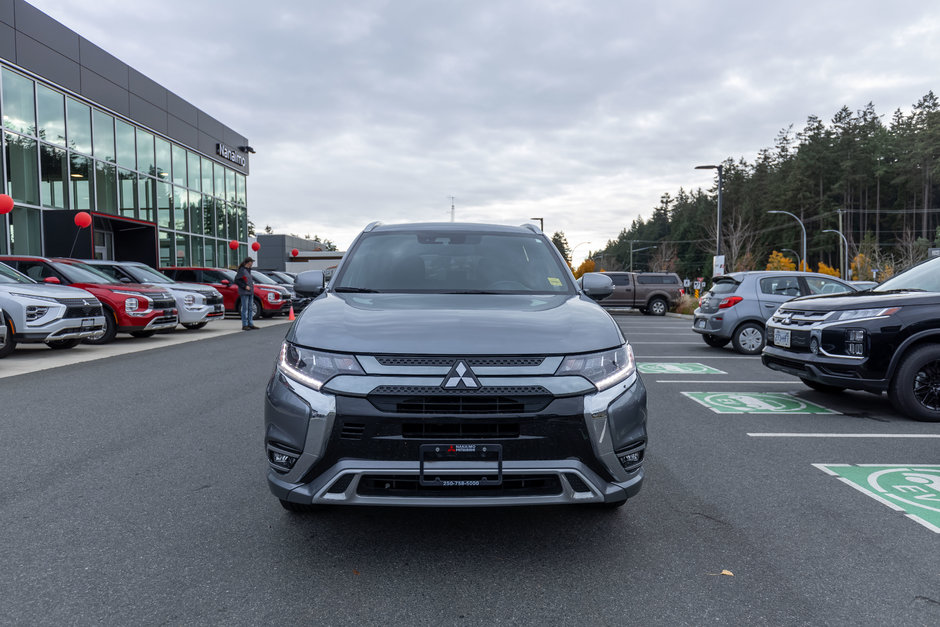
531 227
371 226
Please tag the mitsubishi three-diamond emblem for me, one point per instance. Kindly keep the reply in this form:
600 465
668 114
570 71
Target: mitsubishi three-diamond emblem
461 377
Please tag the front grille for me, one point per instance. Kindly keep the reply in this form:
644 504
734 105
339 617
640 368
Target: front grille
471 430
434 400
212 298
77 302
164 303
408 486
799 318
473 362
83 311
787 363
352 431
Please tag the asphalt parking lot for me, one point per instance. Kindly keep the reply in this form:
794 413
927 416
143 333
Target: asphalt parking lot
134 493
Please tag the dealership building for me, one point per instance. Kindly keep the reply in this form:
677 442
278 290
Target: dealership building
164 182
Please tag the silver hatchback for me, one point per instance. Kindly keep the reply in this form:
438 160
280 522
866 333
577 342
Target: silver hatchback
738 304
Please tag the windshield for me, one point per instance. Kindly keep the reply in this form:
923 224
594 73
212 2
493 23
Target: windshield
453 262
260 277
9 275
925 276
146 274
77 272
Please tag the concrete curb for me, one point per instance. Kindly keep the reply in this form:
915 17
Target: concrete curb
679 315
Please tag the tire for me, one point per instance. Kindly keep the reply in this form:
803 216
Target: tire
299 508
915 389
748 339
195 325
644 311
658 307
110 329
822 387
8 344
63 344
715 341
142 333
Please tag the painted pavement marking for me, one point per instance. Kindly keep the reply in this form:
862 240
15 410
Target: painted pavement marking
710 357
761 382
913 489
756 403
677 368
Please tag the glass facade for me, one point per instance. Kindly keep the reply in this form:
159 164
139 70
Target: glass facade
59 152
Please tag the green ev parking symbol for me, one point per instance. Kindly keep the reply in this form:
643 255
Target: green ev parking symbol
677 368
913 490
756 403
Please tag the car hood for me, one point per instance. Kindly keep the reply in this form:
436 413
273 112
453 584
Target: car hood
122 287
49 290
455 324
202 288
862 300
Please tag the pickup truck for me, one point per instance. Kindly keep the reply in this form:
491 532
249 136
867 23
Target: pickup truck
653 293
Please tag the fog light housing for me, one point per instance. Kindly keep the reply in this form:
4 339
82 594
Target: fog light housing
855 342
814 346
282 459
35 312
631 457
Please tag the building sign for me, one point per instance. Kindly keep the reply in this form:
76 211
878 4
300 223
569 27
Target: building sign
232 155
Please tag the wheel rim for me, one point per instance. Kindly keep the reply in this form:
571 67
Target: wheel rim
750 339
927 385
657 307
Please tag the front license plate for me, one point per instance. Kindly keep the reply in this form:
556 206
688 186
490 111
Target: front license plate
460 465
782 338
699 324
218 308
88 322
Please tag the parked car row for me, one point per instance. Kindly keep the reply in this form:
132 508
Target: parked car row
63 302
835 335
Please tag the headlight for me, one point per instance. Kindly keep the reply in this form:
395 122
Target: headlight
35 312
314 368
273 297
855 314
604 369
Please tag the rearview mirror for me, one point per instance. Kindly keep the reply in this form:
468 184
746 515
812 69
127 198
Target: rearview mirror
596 286
309 283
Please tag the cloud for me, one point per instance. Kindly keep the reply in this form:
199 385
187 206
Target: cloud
583 113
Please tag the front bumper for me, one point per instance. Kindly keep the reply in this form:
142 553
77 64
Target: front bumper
195 315
568 453
835 371
63 329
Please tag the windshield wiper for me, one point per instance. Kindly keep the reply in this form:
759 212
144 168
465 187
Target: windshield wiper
898 290
356 290
473 292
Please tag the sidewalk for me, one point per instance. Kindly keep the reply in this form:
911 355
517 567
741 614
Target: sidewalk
35 357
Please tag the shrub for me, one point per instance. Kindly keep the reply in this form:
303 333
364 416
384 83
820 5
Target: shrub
687 304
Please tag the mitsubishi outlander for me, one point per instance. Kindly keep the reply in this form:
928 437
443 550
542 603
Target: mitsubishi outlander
454 365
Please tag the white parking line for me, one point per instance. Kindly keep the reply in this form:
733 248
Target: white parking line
721 381
674 357
845 435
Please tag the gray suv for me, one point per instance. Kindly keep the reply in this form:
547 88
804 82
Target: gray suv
738 305
58 315
440 367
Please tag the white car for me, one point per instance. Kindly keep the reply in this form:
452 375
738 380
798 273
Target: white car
197 303
58 315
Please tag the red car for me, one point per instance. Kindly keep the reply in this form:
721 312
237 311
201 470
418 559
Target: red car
268 301
128 307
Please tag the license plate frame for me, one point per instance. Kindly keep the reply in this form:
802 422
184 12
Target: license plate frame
700 323
460 464
782 338
88 322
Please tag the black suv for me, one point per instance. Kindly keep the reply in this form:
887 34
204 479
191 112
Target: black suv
883 339
439 368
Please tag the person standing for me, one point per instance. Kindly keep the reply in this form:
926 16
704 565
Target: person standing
246 292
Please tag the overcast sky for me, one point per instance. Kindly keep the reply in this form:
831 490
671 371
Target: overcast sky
580 112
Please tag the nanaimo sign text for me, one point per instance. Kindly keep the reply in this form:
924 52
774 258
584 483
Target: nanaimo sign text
227 153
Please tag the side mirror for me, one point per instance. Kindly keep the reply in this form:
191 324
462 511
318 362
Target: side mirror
51 279
224 281
124 279
596 286
309 283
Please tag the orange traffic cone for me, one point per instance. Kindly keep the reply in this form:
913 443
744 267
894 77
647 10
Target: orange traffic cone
290 316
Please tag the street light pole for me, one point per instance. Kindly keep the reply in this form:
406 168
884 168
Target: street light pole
571 252
637 251
720 169
541 224
799 264
804 233
844 262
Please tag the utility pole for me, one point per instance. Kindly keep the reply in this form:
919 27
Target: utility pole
843 255
452 210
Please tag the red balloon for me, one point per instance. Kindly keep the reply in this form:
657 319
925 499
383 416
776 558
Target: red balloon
233 245
255 246
82 219
294 252
6 204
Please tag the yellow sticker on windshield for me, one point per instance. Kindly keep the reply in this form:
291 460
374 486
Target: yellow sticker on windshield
554 281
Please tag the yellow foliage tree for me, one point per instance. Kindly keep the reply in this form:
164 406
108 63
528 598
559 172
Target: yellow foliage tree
824 269
861 268
586 266
779 261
